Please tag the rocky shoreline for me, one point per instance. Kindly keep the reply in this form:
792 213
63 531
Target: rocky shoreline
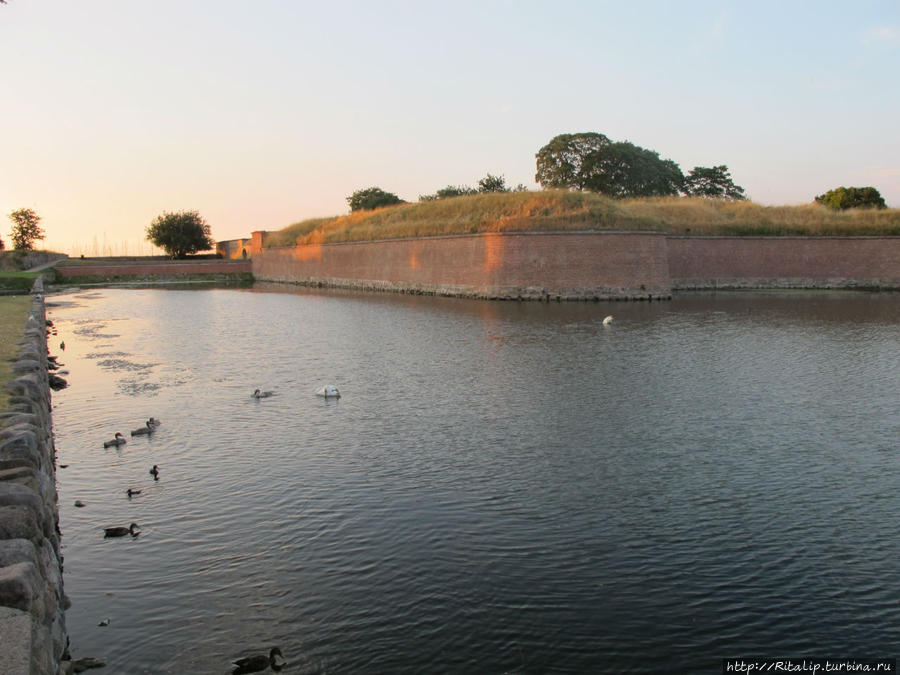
32 601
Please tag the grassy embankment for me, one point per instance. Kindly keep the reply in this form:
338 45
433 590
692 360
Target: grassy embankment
579 211
13 314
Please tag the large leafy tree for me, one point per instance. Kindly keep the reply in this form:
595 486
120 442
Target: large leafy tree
561 163
180 234
372 198
712 182
25 229
590 161
627 170
853 197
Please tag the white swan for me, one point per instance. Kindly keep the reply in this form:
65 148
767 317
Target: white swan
328 391
608 320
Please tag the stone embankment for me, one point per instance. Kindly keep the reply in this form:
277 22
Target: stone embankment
32 602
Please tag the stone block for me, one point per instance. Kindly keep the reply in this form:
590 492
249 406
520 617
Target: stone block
21 587
16 494
16 462
17 456
13 551
15 647
25 366
20 522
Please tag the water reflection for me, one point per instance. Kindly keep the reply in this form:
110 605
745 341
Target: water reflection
503 487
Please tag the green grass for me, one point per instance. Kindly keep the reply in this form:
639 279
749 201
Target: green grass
556 210
17 281
13 314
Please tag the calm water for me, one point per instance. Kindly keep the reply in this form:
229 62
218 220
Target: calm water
503 488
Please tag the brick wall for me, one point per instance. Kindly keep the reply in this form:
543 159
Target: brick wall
112 268
784 262
532 265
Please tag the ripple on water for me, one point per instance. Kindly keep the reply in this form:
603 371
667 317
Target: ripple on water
503 488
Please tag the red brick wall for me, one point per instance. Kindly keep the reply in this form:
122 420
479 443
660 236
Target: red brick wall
817 262
582 265
142 269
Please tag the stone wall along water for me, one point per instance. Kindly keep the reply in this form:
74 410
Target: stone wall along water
32 602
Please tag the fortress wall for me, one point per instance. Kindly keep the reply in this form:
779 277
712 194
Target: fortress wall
493 265
784 262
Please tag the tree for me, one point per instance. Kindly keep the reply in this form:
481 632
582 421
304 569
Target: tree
372 198
180 234
448 192
491 183
712 182
25 230
627 170
850 198
560 163
590 161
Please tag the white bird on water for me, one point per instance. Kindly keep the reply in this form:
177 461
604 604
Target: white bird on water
328 391
608 320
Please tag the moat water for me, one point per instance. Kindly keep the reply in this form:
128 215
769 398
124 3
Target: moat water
502 488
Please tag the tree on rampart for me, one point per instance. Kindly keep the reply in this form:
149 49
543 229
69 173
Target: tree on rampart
448 192
372 198
853 197
590 161
180 234
25 230
712 182
560 163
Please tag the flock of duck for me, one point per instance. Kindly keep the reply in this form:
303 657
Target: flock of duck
149 427
248 664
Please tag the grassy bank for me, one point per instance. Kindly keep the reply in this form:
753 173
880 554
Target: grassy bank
13 314
573 211
17 281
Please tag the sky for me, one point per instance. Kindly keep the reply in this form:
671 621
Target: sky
262 113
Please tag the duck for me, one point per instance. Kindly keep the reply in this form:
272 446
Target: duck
608 320
262 394
62 345
155 472
121 531
328 391
132 493
253 664
80 504
153 422
145 430
119 439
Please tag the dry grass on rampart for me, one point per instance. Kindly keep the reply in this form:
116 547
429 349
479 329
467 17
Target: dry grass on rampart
555 210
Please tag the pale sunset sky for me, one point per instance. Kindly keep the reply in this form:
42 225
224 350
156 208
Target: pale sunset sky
260 113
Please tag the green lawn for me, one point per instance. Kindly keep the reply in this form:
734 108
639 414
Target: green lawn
17 280
13 314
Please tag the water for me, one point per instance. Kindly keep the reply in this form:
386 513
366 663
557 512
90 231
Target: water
503 488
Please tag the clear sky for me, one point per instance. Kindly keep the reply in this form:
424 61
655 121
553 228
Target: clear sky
260 113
